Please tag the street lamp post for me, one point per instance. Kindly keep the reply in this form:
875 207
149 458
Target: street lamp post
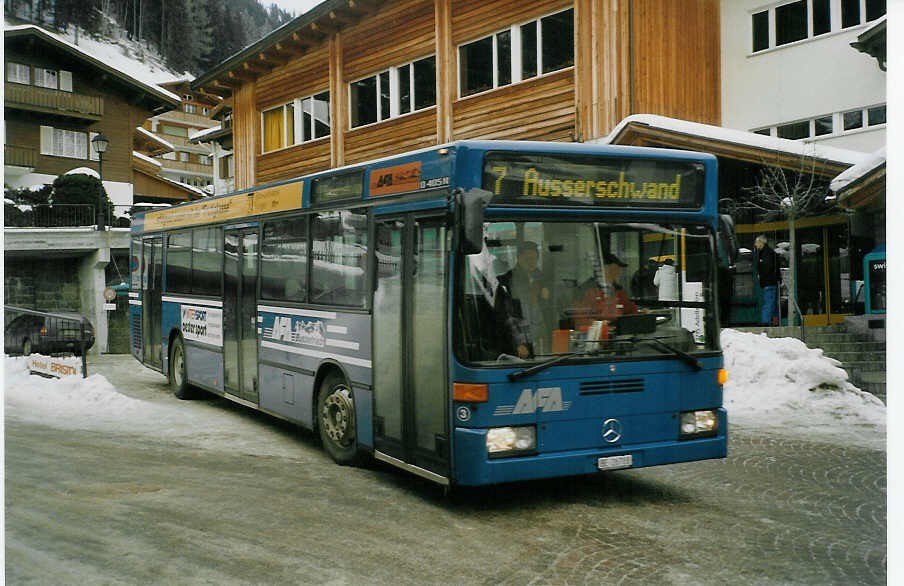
100 144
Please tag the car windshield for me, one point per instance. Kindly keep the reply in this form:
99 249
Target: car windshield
600 290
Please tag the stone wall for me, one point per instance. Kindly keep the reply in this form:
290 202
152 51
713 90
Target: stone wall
42 283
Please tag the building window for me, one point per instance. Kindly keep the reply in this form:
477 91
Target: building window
824 125
184 157
852 11
18 73
64 143
190 108
853 119
204 160
315 117
46 78
296 122
794 130
795 21
875 115
394 92
278 127
227 167
517 53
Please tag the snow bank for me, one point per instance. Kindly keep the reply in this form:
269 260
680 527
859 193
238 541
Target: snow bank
70 398
776 384
780 382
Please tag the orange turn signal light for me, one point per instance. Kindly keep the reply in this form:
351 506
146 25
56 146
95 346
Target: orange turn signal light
470 392
722 376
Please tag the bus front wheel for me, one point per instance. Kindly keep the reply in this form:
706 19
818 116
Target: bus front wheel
336 420
177 378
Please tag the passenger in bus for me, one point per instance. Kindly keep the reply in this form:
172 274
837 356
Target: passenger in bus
522 305
604 299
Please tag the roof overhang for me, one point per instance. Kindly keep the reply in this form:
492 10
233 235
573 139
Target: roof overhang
873 41
291 40
660 131
154 98
862 185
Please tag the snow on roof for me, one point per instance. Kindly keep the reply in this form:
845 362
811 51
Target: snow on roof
147 159
145 132
83 171
205 132
873 162
740 137
109 55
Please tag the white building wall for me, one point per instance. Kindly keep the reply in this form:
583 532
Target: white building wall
798 81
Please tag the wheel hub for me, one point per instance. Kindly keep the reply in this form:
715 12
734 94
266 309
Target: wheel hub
336 416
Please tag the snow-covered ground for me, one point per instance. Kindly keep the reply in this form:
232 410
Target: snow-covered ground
776 384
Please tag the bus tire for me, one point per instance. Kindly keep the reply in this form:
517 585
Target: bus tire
336 420
177 379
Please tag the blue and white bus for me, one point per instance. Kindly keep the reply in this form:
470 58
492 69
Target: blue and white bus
430 309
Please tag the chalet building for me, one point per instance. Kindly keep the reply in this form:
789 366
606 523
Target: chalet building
57 97
190 163
219 139
353 80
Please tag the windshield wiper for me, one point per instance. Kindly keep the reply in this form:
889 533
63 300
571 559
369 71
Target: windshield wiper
684 356
513 376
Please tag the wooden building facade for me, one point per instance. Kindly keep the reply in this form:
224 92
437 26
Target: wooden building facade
353 80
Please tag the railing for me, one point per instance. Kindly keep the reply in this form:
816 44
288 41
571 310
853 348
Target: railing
61 216
48 100
188 166
20 156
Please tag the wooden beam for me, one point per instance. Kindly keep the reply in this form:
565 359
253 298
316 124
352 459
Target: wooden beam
338 104
445 78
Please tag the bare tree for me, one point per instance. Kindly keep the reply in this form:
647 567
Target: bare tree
789 194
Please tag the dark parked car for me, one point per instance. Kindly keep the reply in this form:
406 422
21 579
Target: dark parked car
62 331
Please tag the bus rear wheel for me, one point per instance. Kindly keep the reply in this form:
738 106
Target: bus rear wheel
177 379
336 420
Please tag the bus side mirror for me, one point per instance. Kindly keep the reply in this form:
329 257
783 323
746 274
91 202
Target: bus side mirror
471 204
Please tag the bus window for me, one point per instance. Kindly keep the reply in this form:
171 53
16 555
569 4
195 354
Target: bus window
339 255
284 256
207 261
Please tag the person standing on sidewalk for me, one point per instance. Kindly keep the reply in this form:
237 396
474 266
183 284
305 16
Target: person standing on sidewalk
767 274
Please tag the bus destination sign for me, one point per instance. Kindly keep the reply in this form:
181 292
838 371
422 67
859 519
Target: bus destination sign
553 179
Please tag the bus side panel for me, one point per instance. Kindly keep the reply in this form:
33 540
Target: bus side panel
296 343
204 367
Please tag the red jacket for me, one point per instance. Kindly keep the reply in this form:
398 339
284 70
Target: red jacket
596 306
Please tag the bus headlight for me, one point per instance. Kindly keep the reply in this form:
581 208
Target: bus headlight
511 441
694 424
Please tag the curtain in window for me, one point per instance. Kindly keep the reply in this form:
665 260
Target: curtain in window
273 127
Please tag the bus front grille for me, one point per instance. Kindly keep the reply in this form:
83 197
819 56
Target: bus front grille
609 386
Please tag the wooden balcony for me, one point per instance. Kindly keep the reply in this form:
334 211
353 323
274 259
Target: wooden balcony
20 156
194 168
47 101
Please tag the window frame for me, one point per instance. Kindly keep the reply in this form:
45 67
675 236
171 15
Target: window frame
18 69
394 81
516 74
295 121
835 18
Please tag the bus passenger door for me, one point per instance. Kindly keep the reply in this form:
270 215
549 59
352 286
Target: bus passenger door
240 313
411 421
151 301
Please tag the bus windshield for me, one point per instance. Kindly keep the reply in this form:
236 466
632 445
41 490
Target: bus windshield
598 290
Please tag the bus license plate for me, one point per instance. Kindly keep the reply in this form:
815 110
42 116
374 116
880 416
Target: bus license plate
615 462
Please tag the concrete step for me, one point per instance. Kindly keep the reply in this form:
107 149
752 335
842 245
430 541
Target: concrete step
877 389
852 357
851 346
871 377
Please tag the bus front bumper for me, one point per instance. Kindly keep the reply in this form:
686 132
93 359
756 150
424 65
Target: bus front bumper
472 470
